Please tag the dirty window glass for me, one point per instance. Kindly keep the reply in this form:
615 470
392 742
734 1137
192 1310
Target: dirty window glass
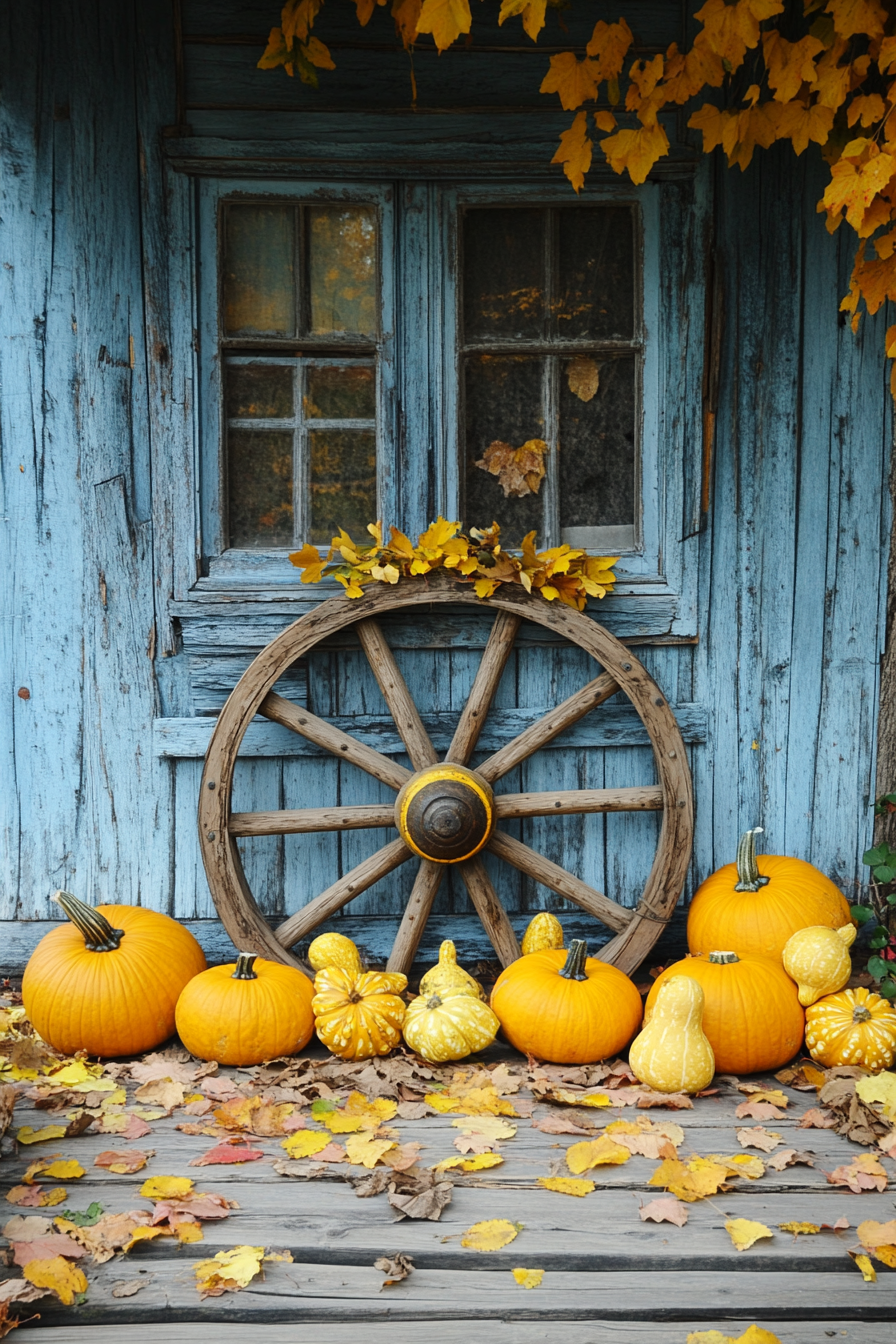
300 284
551 357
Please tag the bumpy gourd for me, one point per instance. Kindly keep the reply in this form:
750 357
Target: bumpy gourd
246 1012
751 1015
560 1007
446 974
109 981
855 1026
358 1016
450 1025
818 960
543 933
672 1054
334 949
755 904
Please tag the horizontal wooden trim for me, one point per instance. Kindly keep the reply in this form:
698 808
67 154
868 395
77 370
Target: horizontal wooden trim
608 726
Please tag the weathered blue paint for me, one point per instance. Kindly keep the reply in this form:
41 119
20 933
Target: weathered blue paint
126 647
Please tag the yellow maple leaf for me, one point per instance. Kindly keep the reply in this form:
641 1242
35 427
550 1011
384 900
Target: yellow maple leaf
144 1233
445 19
27 1134
880 1087
490 1235
528 1278
532 12
228 1271
437 534
601 1152
365 1151
610 43
605 121
574 81
567 1185
297 18
744 1232
305 1143
857 16
789 64
58 1275
866 109
873 1234
166 1187
636 150
869 1273
406 15
800 1229
754 1334
692 1181
69 1169
372 1113
741 1164
80 1077
801 124
575 151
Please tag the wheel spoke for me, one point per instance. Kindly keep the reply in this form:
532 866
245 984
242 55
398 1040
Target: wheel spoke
396 695
349 886
497 651
548 727
323 734
413 921
564 801
490 911
302 821
559 880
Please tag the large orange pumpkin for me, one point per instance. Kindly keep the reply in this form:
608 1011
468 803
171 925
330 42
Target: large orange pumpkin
562 1007
751 1012
755 904
109 981
246 1012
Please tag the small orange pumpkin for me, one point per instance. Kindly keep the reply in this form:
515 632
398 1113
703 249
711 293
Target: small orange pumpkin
108 982
246 1012
855 1026
755 904
562 1007
357 1016
751 1013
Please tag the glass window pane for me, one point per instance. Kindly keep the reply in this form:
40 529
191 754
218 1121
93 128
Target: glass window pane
259 391
503 274
340 393
259 276
596 276
343 270
503 402
343 482
597 446
260 465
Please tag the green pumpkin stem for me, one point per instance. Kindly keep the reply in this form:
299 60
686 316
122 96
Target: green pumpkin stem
99 935
244 963
723 958
749 877
574 967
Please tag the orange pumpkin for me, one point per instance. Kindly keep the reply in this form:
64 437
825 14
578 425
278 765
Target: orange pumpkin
755 904
109 981
751 1013
357 1016
246 1012
562 1007
855 1026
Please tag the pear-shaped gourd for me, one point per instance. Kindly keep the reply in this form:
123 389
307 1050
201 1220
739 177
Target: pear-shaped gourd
818 960
448 975
544 932
450 1025
334 949
672 1054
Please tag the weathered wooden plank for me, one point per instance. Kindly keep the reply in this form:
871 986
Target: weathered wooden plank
616 725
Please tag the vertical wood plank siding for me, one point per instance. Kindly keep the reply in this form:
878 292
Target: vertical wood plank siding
98 447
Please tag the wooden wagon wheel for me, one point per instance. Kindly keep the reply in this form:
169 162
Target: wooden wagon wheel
445 813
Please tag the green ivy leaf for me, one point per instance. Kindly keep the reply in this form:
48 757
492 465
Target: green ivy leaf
876 855
880 937
861 913
884 873
877 967
887 988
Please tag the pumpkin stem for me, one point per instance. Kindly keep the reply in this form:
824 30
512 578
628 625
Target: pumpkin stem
723 958
749 877
574 968
244 963
99 935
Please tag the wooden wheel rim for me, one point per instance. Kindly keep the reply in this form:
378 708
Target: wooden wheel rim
236 906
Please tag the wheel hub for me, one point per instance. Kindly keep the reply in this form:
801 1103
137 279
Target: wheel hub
445 813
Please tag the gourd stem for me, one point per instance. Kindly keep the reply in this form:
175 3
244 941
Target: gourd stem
244 963
749 877
860 1014
574 968
99 935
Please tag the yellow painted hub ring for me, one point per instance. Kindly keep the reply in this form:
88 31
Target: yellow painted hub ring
445 813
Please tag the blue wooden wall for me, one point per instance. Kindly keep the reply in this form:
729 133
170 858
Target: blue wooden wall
109 674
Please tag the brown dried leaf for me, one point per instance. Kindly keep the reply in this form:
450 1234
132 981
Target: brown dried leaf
161 1093
758 1137
128 1287
665 1210
790 1157
758 1110
159 1068
863 1173
126 1163
45 1248
552 1123
583 377
396 1268
424 1196
520 471
817 1119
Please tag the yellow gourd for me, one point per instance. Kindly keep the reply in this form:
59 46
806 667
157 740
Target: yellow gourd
672 1054
450 1025
855 1026
448 975
334 949
818 960
544 932
357 1016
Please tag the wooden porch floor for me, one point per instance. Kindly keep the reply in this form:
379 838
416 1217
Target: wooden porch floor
608 1276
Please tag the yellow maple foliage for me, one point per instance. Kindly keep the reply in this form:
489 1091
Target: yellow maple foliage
744 1232
305 1143
480 1162
600 1152
228 1271
58 1276
800 1229
863 1262
166 1187
365 1151
690 1181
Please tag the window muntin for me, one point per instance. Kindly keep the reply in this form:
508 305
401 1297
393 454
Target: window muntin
301 436
549 305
